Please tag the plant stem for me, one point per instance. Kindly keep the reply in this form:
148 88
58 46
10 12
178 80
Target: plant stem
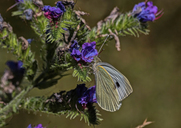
12 107
15 102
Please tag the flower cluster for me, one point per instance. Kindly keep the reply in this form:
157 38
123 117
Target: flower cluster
38 126
146 11
78 101
82 95
89 96
87 53
27 13
54 12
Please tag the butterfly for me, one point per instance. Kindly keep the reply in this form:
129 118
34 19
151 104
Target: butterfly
111 86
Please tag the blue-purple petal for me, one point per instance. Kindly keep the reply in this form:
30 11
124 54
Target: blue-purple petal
38 126
76 54
19 1
28 14
89 51
54 12
148 11
30 40
16 67
74 45
89 96
46 8
61 6
29 126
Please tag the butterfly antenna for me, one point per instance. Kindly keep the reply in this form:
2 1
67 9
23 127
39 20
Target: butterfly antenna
103 43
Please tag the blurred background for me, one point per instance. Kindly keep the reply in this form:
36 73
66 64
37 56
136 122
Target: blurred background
151 63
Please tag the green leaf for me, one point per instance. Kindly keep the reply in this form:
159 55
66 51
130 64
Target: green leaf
82 74
16 13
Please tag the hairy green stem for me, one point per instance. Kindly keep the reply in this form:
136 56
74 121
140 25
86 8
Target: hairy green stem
12 107
15 101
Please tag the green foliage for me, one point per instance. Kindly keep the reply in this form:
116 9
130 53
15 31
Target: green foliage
62 61
39 25
56 30
84 115
81 73
61 66
123 25
54 36
28 4
82 33
66 104
13 106
16 13
21 49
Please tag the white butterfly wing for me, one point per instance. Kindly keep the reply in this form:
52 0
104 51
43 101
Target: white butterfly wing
121 83
106 93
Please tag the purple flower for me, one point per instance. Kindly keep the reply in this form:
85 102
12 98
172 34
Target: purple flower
29 126
1 22
46 8
1 19
76 54
16 67
74 49
146 11
61 6
30 40
38 126
19 1
28 13
52 12
88 51
55 12
89 96
74 46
